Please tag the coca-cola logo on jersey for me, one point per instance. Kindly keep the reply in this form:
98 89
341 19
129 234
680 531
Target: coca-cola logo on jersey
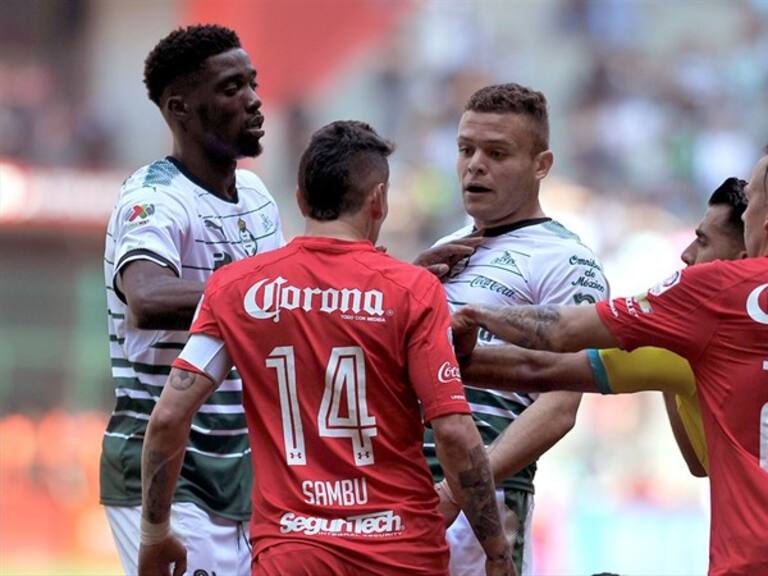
448 372
268 298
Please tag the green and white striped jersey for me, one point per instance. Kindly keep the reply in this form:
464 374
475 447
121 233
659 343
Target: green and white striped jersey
534 261
163 216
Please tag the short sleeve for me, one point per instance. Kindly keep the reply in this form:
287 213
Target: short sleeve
678 314
619 372
150 225
204 321
572 277
432 366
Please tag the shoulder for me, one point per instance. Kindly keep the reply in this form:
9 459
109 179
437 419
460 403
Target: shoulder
460 233
411 282
247 181
158 182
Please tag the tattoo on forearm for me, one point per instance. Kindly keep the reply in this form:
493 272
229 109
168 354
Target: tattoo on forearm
534 325
156 501
477 484
182 380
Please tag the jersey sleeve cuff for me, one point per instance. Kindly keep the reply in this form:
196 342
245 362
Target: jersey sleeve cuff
598 371
456 407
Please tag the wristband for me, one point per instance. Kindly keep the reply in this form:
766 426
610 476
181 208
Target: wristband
444 486
154 533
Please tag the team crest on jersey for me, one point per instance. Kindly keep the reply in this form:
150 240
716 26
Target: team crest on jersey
666 284
247 240
507 261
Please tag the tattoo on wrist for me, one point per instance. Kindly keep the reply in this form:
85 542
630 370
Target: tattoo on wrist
156 505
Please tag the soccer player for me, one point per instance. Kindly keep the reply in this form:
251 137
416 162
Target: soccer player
176 220
715 315
719 236
342 350
526 258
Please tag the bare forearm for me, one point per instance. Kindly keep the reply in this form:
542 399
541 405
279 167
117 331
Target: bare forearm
533 433
165 441
465 463
161 460
521 370
554 328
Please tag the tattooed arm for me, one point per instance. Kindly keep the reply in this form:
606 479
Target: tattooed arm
555 328
162 458
465 463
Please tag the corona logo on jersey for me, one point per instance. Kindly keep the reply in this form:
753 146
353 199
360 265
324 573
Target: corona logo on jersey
757 312
267 298
375 524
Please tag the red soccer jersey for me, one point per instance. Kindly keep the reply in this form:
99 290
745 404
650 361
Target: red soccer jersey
716 316
342 350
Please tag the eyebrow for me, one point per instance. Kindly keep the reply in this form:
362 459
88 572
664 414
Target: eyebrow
492 142
237 75
700 233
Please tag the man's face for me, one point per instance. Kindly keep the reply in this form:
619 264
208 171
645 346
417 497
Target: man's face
498 170
756 215
225 110
715 238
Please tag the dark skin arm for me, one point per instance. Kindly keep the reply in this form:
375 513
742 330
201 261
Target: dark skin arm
464 460
157 299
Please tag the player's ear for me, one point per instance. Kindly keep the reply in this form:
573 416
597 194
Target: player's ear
302 202
378 201
175 107
543 164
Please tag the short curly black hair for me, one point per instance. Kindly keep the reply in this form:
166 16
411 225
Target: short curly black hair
731 193
341 163
514 98
183 52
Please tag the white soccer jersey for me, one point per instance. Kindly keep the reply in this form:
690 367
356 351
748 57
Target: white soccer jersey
163 216
535 261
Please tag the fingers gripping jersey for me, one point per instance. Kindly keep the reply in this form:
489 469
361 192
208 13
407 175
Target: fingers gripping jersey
339 346
164 217
619 372
716 316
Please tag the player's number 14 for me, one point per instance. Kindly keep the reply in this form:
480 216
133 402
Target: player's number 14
345 387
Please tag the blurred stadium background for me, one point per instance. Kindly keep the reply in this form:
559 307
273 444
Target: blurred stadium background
653 103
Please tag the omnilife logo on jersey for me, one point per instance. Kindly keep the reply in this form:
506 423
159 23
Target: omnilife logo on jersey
385 523
268 298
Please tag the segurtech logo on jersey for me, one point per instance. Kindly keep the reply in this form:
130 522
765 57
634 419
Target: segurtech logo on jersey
268 298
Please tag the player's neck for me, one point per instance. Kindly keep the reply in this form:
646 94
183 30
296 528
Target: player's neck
340 229
531 212
215 175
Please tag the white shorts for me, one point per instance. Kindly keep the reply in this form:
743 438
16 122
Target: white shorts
214 544
468 557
